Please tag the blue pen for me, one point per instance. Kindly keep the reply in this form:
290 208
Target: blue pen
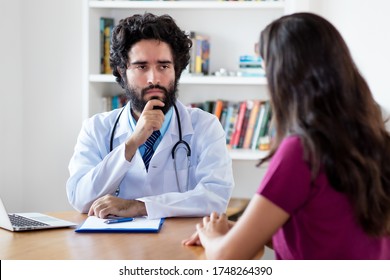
120 220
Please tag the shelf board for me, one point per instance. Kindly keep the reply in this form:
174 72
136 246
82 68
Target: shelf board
187 4
246 154
195 80
102 78
214 80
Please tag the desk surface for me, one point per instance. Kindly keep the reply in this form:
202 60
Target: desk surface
62 244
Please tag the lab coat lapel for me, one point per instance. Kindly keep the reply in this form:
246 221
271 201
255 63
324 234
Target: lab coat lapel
123 129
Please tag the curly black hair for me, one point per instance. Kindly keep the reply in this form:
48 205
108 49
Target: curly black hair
147 26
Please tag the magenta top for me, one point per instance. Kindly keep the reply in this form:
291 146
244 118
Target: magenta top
321 224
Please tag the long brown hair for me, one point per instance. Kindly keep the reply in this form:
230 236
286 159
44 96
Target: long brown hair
318 94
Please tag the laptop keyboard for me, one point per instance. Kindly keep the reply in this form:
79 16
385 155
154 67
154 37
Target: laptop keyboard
19 221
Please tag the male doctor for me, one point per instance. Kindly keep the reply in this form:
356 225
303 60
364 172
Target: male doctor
133 162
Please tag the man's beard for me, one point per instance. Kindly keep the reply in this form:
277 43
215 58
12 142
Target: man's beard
137 99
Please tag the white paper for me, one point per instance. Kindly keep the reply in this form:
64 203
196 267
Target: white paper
139 223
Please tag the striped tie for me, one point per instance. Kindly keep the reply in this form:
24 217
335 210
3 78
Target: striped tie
149 148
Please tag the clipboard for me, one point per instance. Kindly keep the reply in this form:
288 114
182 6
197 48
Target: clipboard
137 225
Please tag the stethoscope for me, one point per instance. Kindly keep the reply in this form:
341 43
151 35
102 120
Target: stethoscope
181 144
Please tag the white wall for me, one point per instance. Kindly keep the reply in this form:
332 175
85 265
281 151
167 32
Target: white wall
52 43
11 104
40 100
365 27
41 83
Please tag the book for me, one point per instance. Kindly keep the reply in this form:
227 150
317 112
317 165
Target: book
250 66
224 115
218 107
251 124
249 107
205 56
238 127
138 224
208 106
199 54
106 27
231 122
263 139
191 65
202 54
256 132
113 102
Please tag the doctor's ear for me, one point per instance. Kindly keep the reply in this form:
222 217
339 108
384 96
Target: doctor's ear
121 71
123 78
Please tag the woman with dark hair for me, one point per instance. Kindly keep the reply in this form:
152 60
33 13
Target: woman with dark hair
326 193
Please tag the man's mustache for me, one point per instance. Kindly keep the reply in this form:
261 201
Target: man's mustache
154 87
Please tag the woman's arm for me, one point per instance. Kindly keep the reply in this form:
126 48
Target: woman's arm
248 236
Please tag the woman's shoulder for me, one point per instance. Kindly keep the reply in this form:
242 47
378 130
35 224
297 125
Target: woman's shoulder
291 145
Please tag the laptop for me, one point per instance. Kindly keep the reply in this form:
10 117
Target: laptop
29 221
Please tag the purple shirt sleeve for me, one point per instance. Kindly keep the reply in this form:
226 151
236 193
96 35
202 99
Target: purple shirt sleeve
287 180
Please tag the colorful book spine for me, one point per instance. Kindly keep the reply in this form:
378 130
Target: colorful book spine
238 127
251 65
232 123
106 27
113 102
257 127
200 53
218 107
249 106
246 123
229 113
264 139
251 124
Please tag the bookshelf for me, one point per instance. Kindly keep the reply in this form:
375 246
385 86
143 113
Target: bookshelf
233 28
194 80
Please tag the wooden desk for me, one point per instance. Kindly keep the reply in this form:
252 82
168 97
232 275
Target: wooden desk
62 244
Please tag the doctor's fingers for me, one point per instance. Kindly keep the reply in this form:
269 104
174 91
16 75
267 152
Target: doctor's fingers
152 103
102 207
101 210
153 118
147 124
91 211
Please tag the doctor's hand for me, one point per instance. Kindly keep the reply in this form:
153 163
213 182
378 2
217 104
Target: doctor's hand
149 121
112 205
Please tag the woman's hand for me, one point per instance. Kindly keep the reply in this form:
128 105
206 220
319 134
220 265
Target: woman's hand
213 226
219 224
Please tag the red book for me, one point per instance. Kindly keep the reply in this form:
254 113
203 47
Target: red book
240 119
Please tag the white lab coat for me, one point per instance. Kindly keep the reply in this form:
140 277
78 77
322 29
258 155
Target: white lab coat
95 171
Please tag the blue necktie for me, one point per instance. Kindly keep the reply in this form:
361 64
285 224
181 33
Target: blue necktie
149 148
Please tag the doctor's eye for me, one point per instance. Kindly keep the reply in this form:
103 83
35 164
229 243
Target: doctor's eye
141 67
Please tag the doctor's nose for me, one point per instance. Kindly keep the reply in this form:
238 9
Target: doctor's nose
153 77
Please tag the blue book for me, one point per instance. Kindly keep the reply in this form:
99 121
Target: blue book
228 122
